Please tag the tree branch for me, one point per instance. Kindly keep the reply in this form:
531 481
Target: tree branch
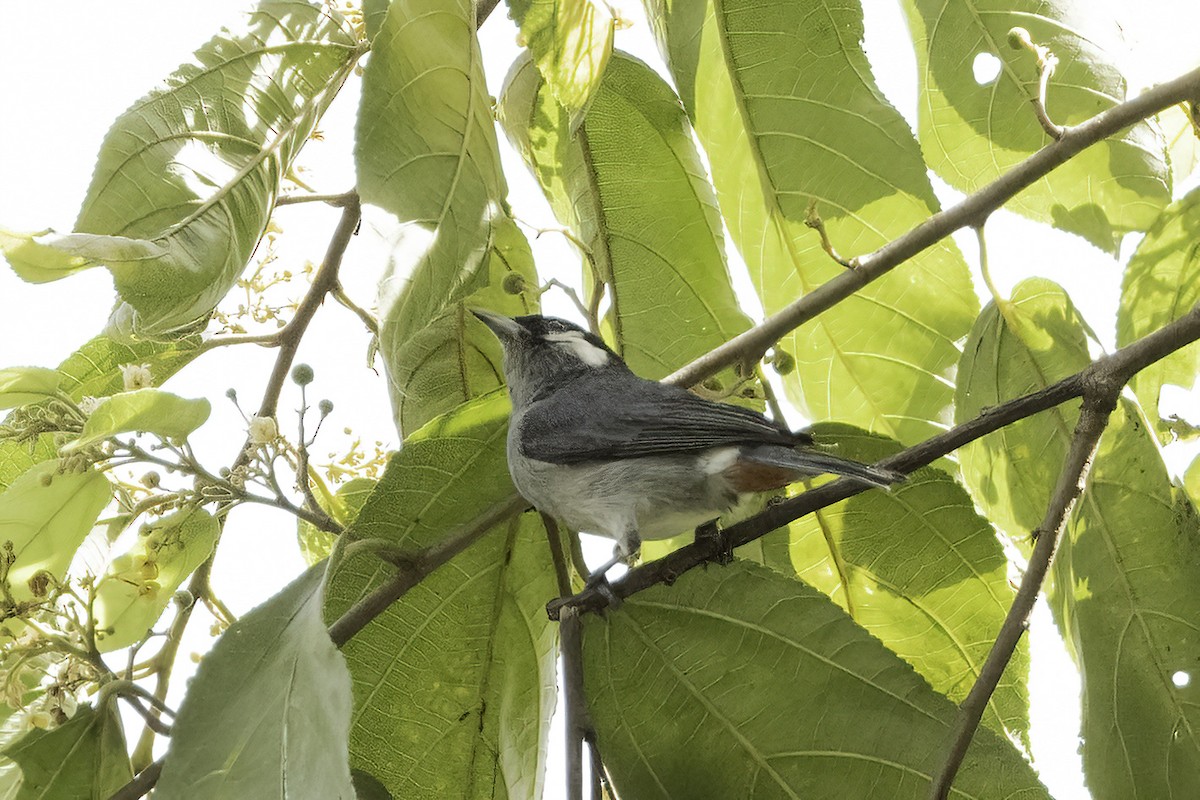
1097 406
422 564
570 631
141 784
1101 375
971 211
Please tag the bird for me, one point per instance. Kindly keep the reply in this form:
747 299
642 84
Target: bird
611 453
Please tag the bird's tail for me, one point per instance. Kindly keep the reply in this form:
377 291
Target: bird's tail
810 462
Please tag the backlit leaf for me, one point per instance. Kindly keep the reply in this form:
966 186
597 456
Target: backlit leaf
145 410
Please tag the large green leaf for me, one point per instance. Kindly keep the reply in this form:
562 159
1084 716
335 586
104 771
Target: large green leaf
741 682
187 177
917 567
21 386
1025 344
145 410
454 683
785 104
571 42
971 133
1162 283
82 758
46 514
630 183
138 585
426 151
268 711
1128 587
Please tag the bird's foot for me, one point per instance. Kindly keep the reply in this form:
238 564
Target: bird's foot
709 535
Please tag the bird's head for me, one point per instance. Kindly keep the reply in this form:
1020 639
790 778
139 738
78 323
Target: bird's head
544 353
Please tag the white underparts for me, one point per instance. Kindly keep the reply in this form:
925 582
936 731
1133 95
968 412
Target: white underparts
584 350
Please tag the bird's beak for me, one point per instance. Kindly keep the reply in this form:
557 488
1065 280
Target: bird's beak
505 328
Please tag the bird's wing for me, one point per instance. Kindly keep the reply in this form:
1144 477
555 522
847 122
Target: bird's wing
611 417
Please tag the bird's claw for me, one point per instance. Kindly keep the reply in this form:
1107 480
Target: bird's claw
710 535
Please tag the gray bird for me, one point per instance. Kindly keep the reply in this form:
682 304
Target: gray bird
611 453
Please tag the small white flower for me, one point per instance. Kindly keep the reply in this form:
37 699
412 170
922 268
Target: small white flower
263 430
88 404
136 376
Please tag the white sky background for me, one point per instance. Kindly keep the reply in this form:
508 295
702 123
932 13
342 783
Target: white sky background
69 68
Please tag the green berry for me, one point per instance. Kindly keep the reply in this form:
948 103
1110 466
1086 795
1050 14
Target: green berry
302 374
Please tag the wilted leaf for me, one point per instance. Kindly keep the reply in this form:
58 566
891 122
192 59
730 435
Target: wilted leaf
454 683
46 514
630 183
973 131
147 410
917 567
139 584
187 177
23 385
571 42
1162 283
786 107
268 711
741 682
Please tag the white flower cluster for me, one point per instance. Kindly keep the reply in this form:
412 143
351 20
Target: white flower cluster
136 376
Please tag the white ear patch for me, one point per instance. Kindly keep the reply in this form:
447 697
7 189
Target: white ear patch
584 350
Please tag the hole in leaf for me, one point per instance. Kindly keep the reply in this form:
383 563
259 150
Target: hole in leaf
1181 679
986 68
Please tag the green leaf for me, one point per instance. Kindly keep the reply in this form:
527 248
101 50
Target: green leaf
426 152
95 370
138 585
316 544
1030 341
973 133
787 109
917 567
630 183
57 256
437 361
741 682
571 42
187 177
23 385
82 758
268 710
1126 590
454 683
145 410
1162 283
46 514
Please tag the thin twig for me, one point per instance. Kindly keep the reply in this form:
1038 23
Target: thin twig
339 294
336 200
1119 367
813 220
972 210
142 783
1093 419
1019 38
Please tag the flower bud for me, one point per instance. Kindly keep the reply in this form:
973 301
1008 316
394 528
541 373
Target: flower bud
302 374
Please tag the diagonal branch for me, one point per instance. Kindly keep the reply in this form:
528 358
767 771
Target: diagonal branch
971 211
1097 406
1101 375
